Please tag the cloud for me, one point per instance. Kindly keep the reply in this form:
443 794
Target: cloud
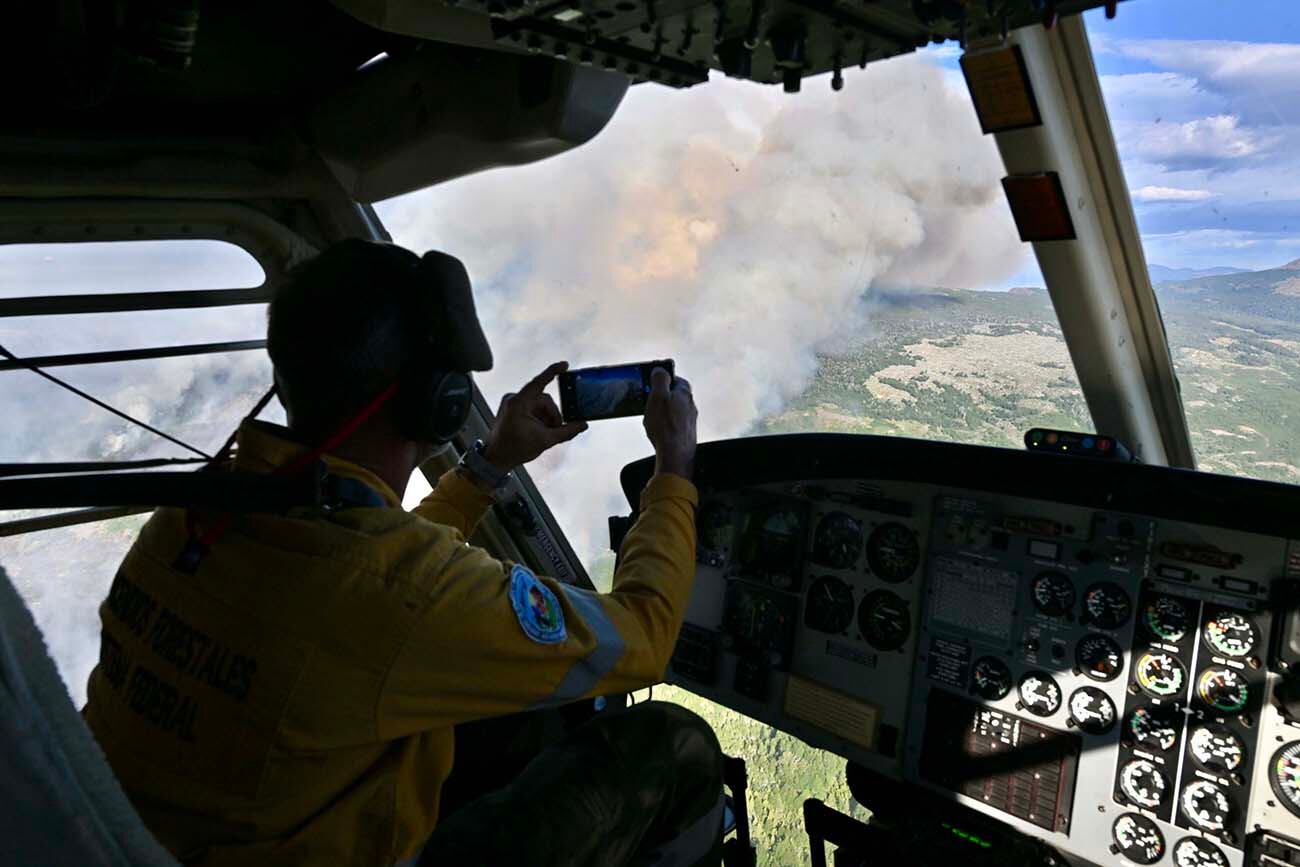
1260 78
1205 142
736 240
1170 194
1160 97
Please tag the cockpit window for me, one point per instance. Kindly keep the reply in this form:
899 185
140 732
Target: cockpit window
64 573
827 261
125 266
1206 113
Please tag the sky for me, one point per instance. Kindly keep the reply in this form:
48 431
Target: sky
1204 99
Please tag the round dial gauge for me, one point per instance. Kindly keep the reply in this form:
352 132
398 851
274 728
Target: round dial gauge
1039 693
1196 852
1217 749
1143 784
884 620
1167 618
838 541
1153 728
893 553
1099 657
1231 635
1107 604
1138 838
1053 594
990 678
1285 775
1160 674
1223 689
830 605
755 619
1092 710
1205 806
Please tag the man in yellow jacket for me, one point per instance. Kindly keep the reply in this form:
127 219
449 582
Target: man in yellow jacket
282 688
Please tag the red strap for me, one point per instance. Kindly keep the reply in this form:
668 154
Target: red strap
224 521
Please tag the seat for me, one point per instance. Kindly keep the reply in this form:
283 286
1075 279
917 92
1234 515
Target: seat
60 803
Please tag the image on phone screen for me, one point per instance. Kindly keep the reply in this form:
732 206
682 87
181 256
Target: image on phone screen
607 392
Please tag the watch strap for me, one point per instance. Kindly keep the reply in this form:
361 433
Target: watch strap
473 463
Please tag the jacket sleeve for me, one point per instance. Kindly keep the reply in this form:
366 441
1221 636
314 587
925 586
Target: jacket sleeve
471 654
454 502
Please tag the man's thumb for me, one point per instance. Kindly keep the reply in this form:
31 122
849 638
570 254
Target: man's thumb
660 382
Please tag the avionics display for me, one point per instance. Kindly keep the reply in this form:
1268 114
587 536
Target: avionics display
1008 762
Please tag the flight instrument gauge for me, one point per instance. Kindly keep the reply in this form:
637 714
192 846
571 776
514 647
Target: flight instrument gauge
1284 773
1053 594
1231 635
716 528
1039 693
1160 674
1154 728
1107 605
754 618
884 620
830 605
990 678
1092 710
1206 806
1167 618
1197 852
893 553
1223 689
838 541
1099 657
1143 783
1217 749
1138 838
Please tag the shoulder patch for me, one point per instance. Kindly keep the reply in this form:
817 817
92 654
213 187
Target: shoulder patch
536 608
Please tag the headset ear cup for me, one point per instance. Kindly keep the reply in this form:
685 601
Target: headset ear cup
453 399
434 406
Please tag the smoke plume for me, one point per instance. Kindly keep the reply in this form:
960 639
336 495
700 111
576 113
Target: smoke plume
729 227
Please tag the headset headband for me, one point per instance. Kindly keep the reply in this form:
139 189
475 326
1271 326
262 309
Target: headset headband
453 328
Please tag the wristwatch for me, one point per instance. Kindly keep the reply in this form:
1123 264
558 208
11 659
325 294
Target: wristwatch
481 471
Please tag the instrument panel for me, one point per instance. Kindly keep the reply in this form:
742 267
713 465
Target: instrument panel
1078 649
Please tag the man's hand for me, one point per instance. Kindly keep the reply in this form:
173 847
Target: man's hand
528 423
670 416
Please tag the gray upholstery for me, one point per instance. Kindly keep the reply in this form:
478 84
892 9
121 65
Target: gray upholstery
59 803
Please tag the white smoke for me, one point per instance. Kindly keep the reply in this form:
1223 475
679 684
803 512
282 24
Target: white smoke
731 228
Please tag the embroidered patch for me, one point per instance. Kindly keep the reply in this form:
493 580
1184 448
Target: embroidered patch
536 608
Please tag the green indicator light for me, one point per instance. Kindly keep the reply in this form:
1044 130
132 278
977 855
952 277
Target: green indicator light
968 837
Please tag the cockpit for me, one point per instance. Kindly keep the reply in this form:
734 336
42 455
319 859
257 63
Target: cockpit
985 306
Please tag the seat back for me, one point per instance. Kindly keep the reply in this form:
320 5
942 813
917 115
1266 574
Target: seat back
60 803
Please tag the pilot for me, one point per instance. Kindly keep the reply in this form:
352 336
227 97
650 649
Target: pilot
282 688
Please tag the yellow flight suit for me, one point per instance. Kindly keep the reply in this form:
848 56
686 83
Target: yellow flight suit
292 702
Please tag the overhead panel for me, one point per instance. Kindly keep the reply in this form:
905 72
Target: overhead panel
677 42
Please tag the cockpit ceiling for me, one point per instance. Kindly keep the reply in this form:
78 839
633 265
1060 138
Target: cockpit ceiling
395 95
177 62
677 42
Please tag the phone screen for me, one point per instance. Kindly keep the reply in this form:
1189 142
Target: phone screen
616 391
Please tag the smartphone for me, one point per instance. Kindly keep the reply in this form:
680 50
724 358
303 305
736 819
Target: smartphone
619 390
